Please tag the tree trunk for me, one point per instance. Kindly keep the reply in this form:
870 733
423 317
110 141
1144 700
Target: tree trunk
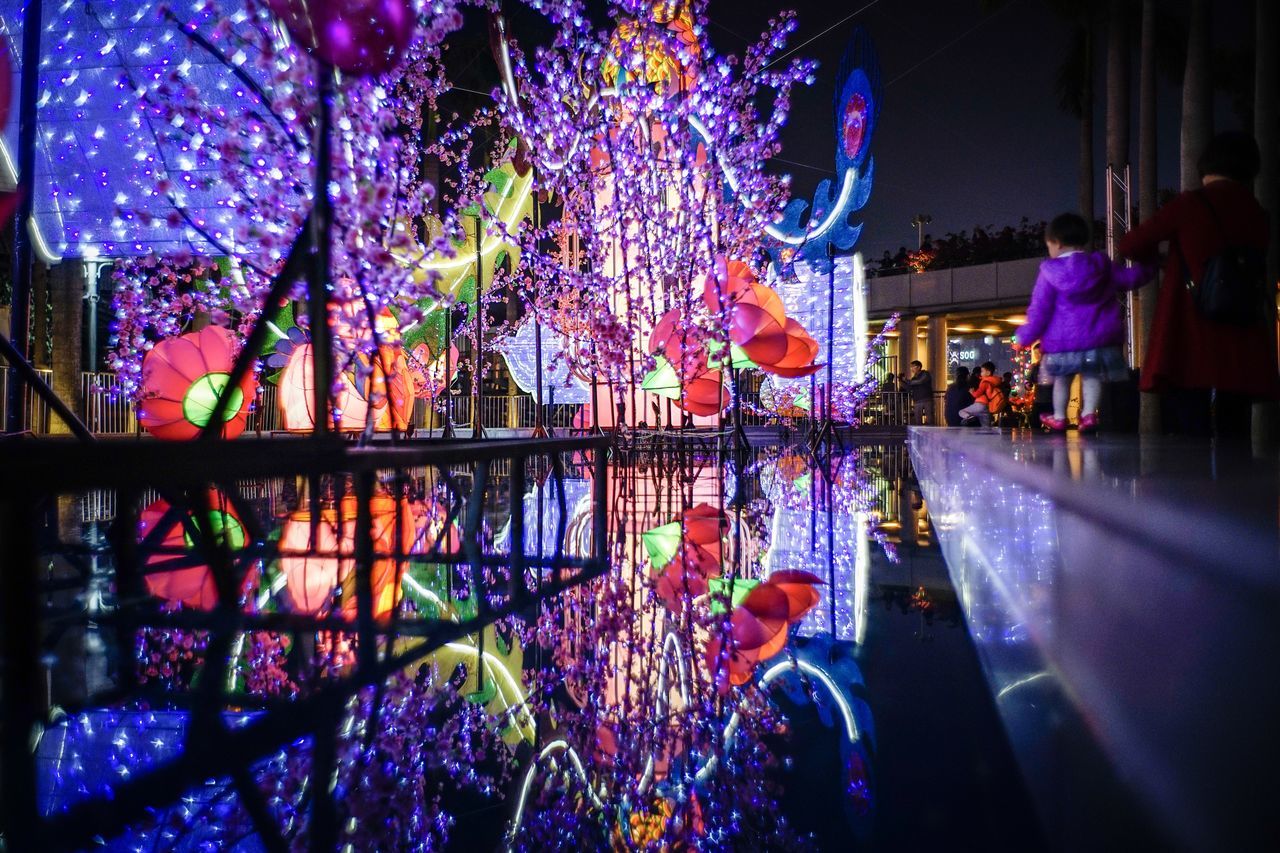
1148 404
1266 128
1117 84
1197 96
1086 131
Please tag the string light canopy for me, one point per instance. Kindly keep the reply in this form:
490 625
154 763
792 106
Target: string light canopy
103 164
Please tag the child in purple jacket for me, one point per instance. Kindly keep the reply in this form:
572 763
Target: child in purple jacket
1076 315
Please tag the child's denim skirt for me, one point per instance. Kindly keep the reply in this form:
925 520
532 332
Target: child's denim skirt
1105 363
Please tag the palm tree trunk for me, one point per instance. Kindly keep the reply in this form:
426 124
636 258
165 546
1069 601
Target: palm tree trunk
1148 181
1148 404
1197 96
1266 128
1086 131
1266 119
1117 84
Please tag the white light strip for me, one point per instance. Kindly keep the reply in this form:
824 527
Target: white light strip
851 726
846 190
554 746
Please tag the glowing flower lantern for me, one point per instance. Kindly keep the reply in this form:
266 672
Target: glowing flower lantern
390 394
699 389
758 321
181 380
798 585
758 624
685 554
757 632
650 56
186 583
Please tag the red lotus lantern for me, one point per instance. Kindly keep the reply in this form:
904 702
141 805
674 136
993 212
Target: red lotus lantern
758 626
186 583
181 380
701 390
798 586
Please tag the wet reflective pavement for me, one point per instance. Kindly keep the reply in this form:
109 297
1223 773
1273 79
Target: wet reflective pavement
1122 595
640 709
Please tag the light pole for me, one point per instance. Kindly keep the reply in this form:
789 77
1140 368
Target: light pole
920 220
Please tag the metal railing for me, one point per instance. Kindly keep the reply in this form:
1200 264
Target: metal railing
107 410
114 585
264 414
39 417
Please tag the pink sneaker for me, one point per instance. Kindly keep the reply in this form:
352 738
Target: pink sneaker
1088 424
1052 424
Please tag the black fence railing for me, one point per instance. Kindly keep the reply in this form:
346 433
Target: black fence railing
315 544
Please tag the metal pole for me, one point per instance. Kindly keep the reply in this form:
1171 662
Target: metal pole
92 270
447 431
539 426
477 354
20 312
539 422
831 324
318 280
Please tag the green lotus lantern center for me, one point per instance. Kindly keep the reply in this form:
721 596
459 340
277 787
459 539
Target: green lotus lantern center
202 396
224 529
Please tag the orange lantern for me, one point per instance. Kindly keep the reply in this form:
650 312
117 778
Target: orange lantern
758 321
182 378
314 568
389 390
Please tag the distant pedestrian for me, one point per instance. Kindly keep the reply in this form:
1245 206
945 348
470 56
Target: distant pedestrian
919 385
1208 370
987 397
957 397
1077 317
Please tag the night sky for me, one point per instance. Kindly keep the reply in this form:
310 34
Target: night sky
970 130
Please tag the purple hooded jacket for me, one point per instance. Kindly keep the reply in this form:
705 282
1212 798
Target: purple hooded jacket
1074 305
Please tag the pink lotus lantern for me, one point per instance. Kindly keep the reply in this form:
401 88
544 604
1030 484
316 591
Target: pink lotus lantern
181 380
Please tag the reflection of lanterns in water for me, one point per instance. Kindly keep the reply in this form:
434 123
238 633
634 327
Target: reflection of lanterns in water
190 585
315 567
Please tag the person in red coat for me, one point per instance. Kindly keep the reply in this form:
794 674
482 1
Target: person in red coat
1207 373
